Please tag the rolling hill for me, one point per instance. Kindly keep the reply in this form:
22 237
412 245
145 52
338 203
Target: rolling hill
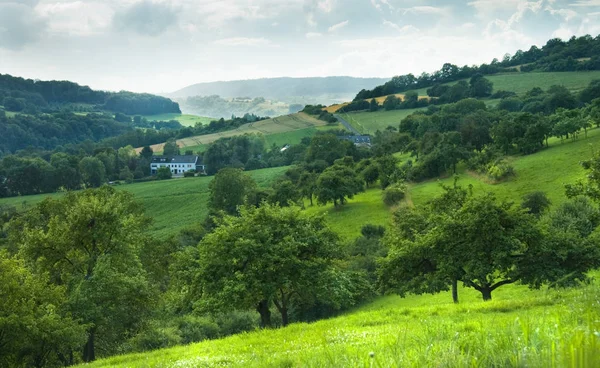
282 89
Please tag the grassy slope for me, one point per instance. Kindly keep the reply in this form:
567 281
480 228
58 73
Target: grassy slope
518 328
281 124
183 119
370 122
174 204
547 171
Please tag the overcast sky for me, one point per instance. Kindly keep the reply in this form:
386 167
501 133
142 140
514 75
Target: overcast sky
164 45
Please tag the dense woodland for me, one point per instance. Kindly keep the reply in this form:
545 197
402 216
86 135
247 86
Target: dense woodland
26 95
84 280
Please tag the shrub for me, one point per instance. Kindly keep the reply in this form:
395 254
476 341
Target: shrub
164 173
394 194
155 337
500 170
236 322
189 174
195 329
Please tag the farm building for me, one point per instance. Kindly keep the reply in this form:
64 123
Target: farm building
358 140
177 164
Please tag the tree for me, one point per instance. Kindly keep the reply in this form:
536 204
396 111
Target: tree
89 241
480 86
171 148
229 189
326 147
391 102
285 193
93 173
147 152
164 173
307 183
35 330
536 203
266 255
373 105
337 183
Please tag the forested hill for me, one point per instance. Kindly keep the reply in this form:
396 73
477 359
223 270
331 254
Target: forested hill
280 88
576 54
19 94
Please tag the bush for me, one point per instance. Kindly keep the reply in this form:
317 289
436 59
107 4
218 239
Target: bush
189 174
394 194
195 329
164 173
500 170
155 337
237 322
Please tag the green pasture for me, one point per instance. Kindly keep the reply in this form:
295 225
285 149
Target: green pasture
519 328
370 122
546 171
173 204
183 119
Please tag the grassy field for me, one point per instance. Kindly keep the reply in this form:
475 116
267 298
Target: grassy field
370 122
183 119
519 328
547 171
281 124
174 204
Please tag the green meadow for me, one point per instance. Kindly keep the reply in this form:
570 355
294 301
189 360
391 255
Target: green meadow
518 328
173 204
370 122
183 119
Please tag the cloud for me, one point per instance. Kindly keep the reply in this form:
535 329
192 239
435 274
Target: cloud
313 35
243 41
404 29
80 18
326 5
423 10
146 18
19 24
338 26
586 3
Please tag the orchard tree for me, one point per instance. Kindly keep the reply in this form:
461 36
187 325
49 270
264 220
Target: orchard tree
337 183
229 189
92 172
89 242
171 148
267 255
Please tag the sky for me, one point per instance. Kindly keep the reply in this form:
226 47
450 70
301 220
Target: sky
164 45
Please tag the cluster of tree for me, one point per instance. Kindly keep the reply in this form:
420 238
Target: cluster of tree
468 131
485 244
48 131
477 87
578 53
26 174
320 112
556 55
18 94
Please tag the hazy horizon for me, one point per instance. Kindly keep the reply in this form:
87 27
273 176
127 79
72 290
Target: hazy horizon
161 46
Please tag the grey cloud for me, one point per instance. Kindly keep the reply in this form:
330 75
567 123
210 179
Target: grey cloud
19 25
146 18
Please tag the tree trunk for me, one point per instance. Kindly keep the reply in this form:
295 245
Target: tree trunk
455 291
311 202
284 317
486 293
89 352
265 314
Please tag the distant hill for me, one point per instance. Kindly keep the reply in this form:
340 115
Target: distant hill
282 89
31 96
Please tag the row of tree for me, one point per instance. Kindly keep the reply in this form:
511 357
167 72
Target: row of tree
581 53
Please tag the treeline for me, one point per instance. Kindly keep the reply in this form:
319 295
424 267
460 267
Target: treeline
556 55
222 107
26 95
319 112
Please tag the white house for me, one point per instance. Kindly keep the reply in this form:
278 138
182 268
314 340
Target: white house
177 164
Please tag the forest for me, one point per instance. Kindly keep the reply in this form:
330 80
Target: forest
31 96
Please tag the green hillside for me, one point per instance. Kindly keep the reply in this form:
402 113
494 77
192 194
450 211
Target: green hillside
183 119
173 204
519 328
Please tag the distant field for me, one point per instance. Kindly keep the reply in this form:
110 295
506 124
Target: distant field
282 124
183 119
370 122
174 204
